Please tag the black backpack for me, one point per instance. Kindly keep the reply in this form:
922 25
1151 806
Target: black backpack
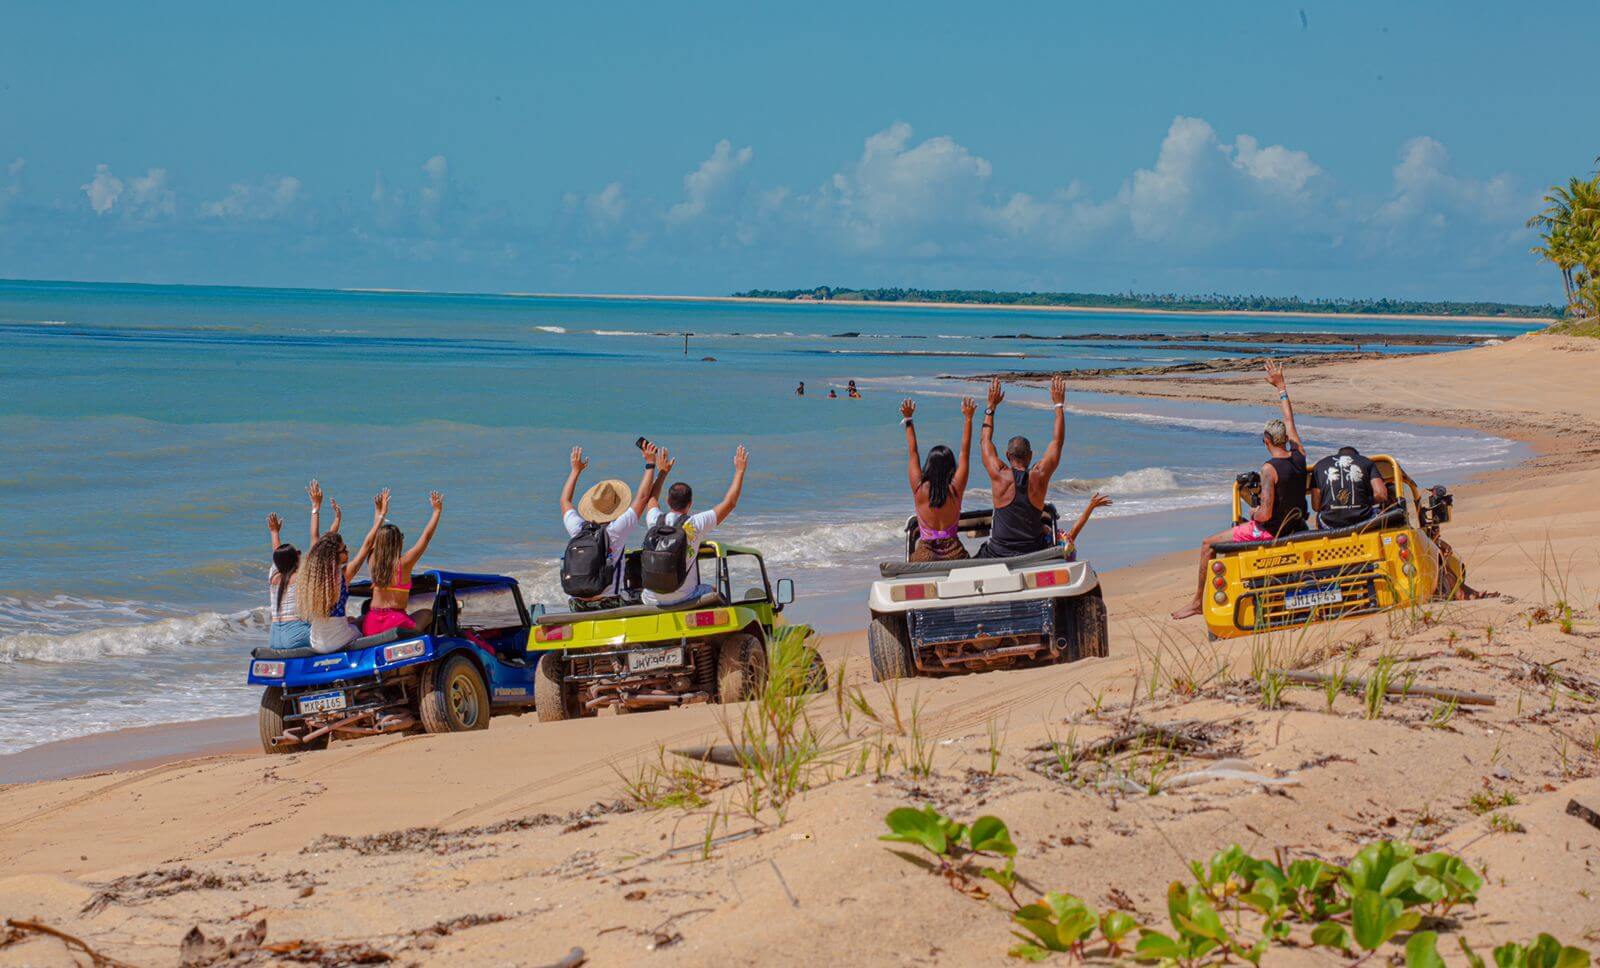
664 558
586 567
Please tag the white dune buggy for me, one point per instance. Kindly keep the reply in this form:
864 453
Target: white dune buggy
983 613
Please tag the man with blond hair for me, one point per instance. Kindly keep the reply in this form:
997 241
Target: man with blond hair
1281 508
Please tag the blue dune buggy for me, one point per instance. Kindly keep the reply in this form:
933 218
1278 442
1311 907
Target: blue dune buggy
471 663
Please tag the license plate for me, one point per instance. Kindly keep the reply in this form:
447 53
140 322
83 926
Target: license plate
321 702
645 660
1313 596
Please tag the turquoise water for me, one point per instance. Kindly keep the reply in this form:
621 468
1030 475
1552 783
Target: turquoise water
151 429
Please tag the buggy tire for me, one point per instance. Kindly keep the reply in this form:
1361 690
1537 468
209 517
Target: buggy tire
274 707
889 648
551 697
1089 615
741 667
816 673
454 697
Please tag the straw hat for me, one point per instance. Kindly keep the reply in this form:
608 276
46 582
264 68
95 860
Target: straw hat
605 502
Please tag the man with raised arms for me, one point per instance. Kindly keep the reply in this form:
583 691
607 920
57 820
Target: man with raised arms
1020 486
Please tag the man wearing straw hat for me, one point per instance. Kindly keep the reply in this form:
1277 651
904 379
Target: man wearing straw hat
612 506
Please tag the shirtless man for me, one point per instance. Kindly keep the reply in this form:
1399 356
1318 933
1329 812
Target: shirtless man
1019 486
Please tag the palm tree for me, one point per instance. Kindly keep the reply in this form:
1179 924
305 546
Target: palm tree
1569 227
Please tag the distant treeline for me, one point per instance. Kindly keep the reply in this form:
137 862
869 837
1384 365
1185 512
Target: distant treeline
1166 301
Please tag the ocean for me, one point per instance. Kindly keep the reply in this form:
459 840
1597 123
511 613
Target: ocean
151 429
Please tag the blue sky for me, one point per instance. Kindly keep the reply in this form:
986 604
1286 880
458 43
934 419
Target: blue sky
1348 149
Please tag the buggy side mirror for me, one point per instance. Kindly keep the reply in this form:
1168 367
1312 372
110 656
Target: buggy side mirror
785 592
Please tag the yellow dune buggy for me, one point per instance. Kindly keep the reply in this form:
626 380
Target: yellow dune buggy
1392 560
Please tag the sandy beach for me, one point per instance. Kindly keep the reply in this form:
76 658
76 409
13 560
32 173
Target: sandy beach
518 844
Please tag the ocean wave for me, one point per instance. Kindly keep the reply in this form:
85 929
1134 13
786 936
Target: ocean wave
624 332
122 640
551 329
1145 480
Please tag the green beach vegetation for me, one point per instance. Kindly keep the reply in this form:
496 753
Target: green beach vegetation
1169 302
1569 238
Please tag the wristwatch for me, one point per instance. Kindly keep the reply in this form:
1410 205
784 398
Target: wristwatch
989 412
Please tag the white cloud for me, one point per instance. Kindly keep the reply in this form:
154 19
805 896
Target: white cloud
1276 167
13 188
710 181
260 201
103 190
151 197
608 205
900 194
1426 190
146 196
437 169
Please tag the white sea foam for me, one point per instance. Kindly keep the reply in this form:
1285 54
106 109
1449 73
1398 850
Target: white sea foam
551 329
161 635
622 332
1145 480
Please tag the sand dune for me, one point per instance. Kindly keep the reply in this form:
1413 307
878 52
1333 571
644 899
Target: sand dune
489 848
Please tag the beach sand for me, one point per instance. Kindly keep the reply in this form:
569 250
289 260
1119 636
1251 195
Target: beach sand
488 848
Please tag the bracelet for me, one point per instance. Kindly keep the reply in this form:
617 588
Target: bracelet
1061 406
905 421
1284 395
649 467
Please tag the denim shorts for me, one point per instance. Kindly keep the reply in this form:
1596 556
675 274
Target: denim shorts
289 635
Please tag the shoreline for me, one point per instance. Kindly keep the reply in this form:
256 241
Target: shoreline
1101 310
456 849
123 749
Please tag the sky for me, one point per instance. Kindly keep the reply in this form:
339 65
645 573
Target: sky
1351 149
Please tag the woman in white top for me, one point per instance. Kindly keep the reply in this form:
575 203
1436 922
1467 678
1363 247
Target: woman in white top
324 583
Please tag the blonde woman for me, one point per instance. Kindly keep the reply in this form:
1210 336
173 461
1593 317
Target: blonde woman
391 576
324 583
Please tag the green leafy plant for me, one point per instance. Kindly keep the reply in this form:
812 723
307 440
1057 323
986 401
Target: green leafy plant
1056 923
1485 801
1374 919
1443 712
954 845
1543 952
1378 687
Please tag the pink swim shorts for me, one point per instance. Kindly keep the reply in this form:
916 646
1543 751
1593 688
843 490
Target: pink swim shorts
1250 531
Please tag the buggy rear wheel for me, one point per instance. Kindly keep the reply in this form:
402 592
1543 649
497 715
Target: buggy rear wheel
816 673
454 698
551 697
741 667
1089 615
889 648
274 707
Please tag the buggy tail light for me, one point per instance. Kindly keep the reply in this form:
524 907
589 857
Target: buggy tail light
1047 579
267 670
405 650
553 633
914 593
705 620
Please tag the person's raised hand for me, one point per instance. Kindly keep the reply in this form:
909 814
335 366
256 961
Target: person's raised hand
578 463
1275 374
1058 389
315 490
907 408
436 499
741 458
650 452
664 462
274 523
1098 500
969 407
380 505
336 512
996 394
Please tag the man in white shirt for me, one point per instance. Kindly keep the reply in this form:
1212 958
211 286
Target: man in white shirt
697 527
610 503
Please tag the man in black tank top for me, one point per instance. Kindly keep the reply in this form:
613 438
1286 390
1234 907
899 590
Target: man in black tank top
1282 507
1019 489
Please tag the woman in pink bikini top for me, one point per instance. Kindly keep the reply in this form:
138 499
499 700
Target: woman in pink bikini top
391 577
936 488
